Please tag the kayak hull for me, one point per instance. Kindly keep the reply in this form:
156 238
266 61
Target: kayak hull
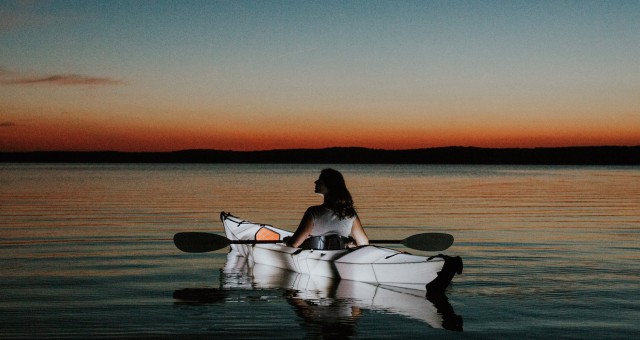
329 297
369 264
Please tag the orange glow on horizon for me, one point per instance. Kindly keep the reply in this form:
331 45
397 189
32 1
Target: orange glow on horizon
30 130
100 136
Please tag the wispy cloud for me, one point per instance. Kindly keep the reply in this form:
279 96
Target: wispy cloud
12 78
63 79
7 124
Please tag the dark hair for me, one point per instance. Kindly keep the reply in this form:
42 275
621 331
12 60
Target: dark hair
338 196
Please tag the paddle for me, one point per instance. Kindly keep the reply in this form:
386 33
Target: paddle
199 242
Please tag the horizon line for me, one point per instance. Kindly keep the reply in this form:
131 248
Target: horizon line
344 147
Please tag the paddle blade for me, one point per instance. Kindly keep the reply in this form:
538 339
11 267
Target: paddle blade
429 241
197 242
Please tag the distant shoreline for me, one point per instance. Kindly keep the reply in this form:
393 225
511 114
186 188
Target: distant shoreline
591 155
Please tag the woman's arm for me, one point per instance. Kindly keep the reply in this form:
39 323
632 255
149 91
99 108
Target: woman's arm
358 234
303 231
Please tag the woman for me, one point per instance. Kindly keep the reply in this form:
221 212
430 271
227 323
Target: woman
336 215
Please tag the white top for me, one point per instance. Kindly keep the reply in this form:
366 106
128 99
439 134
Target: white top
325 221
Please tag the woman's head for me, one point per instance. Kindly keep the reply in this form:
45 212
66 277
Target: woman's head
330 181
331 184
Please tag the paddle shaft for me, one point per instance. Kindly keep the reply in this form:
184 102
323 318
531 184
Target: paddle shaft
281 241
386 241
254 241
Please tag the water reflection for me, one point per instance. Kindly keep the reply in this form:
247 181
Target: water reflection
327 308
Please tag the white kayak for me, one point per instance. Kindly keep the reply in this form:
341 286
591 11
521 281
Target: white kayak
370 264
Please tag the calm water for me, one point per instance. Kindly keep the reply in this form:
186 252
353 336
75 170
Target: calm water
86 250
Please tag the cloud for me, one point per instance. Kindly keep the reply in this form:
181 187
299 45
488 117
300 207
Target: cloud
11 78
63 79
7 124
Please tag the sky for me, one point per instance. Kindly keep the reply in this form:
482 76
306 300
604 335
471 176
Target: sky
259 75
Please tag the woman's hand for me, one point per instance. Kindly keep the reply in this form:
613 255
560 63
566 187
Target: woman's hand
286 240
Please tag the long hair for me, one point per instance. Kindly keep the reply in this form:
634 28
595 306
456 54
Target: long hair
338 197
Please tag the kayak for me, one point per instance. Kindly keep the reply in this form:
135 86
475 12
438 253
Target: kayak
369 264
324 301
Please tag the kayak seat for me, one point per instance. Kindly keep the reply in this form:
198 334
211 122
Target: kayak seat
326 242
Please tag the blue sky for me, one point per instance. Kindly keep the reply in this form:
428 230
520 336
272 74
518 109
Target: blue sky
165 75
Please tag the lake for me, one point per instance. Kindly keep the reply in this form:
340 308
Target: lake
86 251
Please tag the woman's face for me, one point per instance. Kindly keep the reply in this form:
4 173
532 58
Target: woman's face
321 188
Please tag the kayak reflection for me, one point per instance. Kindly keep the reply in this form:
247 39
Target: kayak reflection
327 306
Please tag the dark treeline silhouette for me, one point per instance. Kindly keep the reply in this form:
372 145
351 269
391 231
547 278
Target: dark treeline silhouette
596 155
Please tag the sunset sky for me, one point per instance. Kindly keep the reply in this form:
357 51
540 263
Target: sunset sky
256 75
